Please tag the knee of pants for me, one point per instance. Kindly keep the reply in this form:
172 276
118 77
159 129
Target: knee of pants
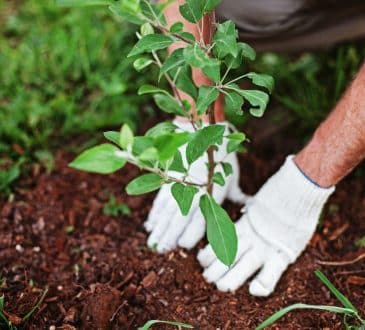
258 15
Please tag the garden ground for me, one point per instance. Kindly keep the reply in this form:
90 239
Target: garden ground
100 274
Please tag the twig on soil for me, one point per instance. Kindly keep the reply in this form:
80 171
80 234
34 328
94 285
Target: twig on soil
341 263
117 311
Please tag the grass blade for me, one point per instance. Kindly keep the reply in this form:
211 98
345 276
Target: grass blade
150 323
29 314
344 301
273 318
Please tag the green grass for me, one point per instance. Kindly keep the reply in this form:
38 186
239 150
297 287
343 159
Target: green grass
310 84
62 72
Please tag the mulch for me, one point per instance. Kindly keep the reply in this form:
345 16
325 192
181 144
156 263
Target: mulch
101 275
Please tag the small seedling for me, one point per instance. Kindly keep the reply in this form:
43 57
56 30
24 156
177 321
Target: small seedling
113 208
150 323
159 150
351 319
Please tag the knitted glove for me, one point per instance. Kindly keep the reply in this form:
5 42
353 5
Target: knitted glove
277 224
168 227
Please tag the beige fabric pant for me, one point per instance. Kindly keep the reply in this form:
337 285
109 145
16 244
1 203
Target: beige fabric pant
295 25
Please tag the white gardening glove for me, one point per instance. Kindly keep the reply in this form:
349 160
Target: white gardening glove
168 227
277 224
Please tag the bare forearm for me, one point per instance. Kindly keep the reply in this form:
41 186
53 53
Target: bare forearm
338 144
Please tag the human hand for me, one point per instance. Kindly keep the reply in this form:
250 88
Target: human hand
167 226
274 230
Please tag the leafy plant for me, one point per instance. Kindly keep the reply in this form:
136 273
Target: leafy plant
113 208
150 323
348 310
9 175
158 151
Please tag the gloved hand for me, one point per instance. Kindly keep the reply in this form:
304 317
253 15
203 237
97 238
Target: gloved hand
274 230
168 227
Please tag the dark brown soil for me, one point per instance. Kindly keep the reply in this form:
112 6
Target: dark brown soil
101 275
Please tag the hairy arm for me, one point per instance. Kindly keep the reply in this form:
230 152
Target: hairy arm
338 144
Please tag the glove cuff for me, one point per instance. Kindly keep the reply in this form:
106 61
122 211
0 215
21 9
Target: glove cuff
286 209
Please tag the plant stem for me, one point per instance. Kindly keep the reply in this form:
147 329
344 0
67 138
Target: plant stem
211 163
165 176
211 114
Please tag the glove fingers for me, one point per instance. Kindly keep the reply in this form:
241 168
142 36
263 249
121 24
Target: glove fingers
157 210
217 269
194 231
244 268
236 195
206 256
264 283
174 230
162 223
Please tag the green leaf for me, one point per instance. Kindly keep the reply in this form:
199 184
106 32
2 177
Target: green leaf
130 10
78 3
247 51
150 323
149 154
150 89
344 301
177 164
202 140
153 12
168 144
9 176
140 63
258 99
141 143
233 102
192 10
177 27
161 129
126 136
225 40
112 136
196 57
227 168
288 309
175 60
168 104
151 42
207 95
184 81
219 179
101 159
144 184
146 29
184 196
210 5
234 141
221 231
187 35
263 80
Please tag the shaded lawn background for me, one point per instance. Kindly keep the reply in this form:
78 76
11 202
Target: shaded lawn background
64 74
